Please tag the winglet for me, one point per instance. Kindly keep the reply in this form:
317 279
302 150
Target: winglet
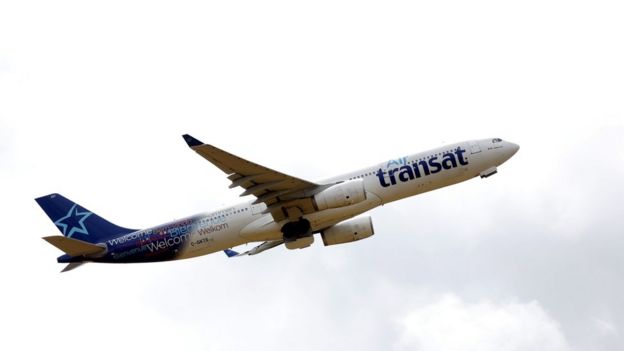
190 141
230 253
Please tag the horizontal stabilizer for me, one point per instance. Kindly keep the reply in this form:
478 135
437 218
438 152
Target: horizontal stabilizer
72 265
74 247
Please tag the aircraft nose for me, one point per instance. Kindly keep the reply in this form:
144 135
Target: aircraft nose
511 150
514 148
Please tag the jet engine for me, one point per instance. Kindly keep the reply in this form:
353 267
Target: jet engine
340 195
348 231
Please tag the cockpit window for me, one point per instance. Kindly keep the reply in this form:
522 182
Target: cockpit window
497 140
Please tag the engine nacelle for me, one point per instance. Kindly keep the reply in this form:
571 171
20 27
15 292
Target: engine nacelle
299 243
340 195
348 231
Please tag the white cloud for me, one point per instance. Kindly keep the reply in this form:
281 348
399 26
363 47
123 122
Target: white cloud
452 324
605 328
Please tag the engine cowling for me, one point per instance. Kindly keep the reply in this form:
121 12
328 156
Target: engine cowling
348 231
340 195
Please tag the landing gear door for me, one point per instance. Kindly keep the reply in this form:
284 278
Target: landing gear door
474 147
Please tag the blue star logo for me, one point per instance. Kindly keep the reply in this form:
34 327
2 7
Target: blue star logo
74 221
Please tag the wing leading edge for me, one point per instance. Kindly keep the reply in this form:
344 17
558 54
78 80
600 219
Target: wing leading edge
285 196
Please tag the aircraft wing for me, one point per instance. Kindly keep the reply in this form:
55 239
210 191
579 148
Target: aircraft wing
285 196
256 250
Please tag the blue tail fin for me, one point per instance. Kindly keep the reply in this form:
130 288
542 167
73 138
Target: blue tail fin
75 221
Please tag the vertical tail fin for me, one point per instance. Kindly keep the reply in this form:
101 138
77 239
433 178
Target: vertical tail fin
75 221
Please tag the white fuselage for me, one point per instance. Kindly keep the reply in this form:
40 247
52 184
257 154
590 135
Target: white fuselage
245 222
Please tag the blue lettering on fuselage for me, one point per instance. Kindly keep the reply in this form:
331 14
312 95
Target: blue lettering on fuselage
404 172
151 244
399 161
164 242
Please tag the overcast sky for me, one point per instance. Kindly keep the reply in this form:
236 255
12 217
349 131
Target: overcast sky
94 98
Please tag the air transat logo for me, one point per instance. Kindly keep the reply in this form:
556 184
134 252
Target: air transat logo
74 222
406 171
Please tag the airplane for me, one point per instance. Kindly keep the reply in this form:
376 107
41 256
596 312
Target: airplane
286 210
